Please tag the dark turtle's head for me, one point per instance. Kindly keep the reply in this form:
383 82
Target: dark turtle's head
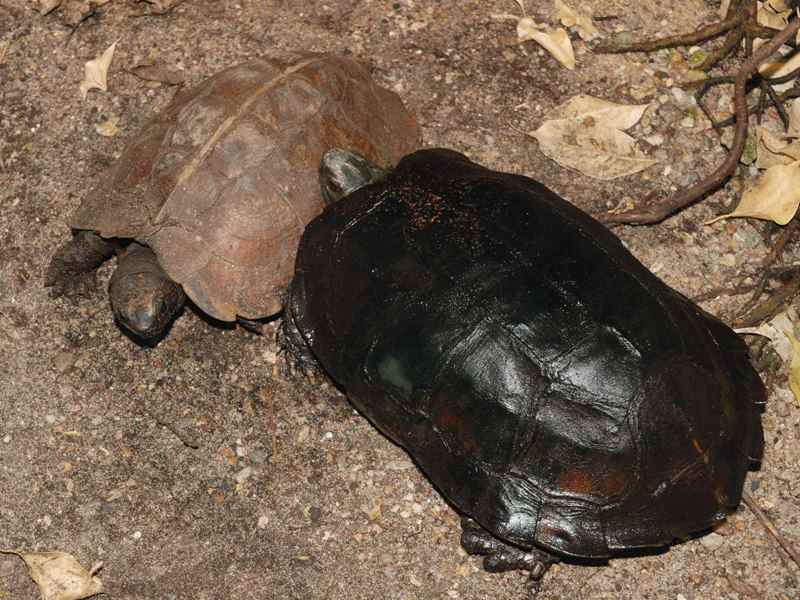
342 172
143 298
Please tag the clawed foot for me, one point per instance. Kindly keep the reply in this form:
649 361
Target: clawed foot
296 357
71 271
500 556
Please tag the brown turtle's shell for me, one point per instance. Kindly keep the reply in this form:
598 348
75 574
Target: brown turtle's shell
222 182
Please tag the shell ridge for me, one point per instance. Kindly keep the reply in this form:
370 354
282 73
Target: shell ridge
233 119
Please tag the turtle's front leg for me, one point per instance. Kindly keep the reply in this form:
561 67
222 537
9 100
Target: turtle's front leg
500 556
72 269
143 297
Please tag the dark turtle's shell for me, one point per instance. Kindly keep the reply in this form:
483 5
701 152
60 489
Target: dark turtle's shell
547 383
221 183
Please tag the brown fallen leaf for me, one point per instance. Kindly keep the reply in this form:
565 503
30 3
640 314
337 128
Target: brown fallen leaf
794 366
794 119
96 72
582 23
555 41
773 14
772 149
160 73
774 197
60 576
586 134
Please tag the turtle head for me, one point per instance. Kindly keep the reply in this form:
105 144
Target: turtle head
342 172
144 299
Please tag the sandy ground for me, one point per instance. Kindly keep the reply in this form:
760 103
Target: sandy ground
289 493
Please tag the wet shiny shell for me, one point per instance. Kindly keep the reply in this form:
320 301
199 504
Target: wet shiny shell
547 383
222 182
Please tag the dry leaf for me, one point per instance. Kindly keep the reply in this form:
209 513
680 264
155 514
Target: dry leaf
779 68
773 150
794 118
60 576
775 330
794 366
780 330
108 128
96 72
159 73
774 197
618 116
723 8
778 5
586 134
769 16
582 23
556 41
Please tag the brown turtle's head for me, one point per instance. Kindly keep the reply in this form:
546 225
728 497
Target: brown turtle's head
144 299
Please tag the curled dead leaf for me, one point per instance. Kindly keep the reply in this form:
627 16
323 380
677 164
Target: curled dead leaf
555 41
773 150
96 72
774 330
582 23
774 197
60 576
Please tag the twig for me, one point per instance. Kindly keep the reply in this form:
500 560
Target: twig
771 305
768 524
687 39
732 41
689 196
723 290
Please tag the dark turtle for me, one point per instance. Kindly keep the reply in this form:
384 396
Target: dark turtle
216 189
560 396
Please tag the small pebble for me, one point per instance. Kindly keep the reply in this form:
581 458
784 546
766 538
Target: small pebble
244 475
712 541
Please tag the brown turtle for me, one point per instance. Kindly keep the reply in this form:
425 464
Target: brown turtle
211 196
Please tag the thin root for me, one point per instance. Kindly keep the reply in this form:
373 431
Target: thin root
769 525
689 196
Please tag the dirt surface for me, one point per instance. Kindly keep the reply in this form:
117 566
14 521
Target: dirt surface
195 470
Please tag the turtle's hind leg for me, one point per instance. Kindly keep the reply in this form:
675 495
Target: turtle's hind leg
500 556
72 269
143 297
